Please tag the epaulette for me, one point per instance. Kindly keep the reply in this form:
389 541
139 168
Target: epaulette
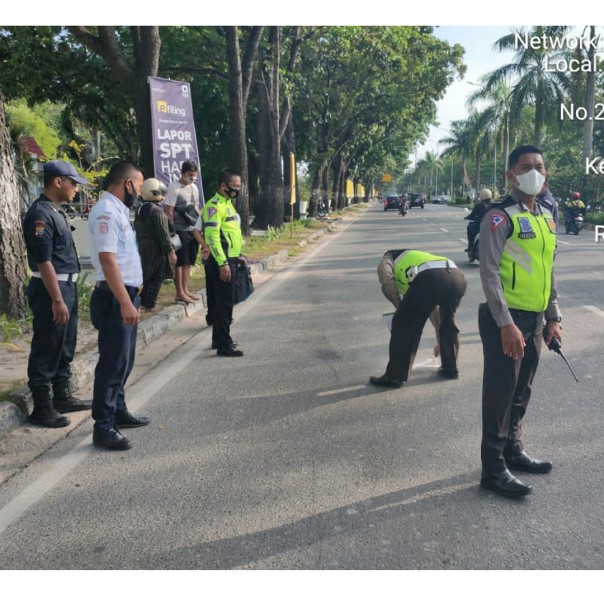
504 202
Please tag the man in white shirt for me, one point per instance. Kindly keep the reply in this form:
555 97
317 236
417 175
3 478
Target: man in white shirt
181 199
115 304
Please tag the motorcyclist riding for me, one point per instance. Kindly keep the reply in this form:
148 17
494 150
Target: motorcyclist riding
475 216
574 208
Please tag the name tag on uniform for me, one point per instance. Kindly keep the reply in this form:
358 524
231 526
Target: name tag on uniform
526 229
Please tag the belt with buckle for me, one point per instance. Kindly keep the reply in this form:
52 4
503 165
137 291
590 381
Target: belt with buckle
436 264
131 289
69 277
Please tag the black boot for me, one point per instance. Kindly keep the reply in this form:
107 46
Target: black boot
44 413
64 402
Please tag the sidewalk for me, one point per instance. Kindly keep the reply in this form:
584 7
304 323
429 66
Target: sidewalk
21 442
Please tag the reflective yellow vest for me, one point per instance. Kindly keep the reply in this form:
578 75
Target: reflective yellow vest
527 259
405 263
221 229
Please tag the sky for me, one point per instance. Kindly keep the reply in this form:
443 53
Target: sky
479 58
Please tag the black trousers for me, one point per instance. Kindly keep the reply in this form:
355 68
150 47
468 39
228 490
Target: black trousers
211 278
440 287
222 301
506 386
117 348
52 346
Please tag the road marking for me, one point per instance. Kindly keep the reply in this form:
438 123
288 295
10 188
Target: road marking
341 390
563 242
139 393
463 240
596 311
428 363
444 230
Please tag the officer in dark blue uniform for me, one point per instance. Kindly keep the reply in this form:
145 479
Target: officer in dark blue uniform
52 297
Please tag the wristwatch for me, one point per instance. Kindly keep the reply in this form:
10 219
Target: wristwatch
555 320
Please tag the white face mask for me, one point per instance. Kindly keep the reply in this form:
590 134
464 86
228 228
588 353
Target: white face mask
531 182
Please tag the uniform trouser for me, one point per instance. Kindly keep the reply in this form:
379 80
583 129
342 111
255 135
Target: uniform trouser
440 287
224 296
151 287
210 291
506 386
117 347
52 346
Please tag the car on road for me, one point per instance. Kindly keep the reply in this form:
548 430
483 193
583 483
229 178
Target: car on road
417 200
391 202
440 199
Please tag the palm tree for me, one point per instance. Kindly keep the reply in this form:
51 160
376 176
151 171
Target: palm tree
531 82
459 144
497 116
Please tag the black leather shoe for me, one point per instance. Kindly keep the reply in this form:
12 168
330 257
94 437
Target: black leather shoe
522 462
385 381
229 352
125 419
110 439
449 375
71 404
505 483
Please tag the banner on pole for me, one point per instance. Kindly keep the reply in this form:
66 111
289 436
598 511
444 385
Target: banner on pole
174 139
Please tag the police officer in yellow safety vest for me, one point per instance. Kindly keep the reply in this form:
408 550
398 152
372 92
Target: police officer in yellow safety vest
430 286
222 232
517 245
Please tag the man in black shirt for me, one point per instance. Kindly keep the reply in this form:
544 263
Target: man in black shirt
53 297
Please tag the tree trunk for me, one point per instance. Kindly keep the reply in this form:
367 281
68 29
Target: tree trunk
477 171
239 87
590 99
325 189
316 191
288 146
12 248
270 202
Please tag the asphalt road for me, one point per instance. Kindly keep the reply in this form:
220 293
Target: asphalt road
288 459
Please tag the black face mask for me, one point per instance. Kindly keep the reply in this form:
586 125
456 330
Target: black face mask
129 198
232 193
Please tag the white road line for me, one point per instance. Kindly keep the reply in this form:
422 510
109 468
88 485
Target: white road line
444 230
428 363
463 240
563 242
341 390
596 311
140 392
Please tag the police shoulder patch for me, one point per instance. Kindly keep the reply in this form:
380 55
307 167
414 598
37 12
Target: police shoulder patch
497 219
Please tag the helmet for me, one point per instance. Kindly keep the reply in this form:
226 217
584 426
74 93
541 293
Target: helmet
153 190
485 194
575 195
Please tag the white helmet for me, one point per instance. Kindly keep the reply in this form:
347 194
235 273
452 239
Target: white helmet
485 194
153 190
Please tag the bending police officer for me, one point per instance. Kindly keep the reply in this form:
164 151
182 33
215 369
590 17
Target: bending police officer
430 286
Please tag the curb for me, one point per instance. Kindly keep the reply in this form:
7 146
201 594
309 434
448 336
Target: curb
14 412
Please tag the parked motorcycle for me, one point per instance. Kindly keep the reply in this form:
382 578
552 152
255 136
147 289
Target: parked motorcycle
321 209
